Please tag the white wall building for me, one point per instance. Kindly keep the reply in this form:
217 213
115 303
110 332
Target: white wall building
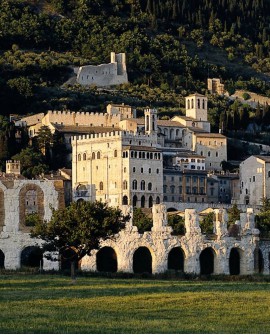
254 177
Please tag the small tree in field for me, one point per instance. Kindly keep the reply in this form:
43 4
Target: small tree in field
79 228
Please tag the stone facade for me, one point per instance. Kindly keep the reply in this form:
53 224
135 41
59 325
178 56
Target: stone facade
114 73
254 177
221 254
17 199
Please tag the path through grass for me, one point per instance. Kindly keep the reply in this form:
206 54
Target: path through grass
52 304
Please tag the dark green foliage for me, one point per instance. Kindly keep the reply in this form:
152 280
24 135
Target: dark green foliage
79 226
233 214
262 219
32 219
32 162
171 46
207 223
141 220
177 223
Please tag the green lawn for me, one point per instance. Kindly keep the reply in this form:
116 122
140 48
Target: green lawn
52 304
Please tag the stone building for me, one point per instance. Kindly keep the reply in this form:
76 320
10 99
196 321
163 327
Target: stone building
214 85
104 75
119 167
254 175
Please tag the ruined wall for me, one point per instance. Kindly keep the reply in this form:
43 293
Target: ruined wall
160 243
14 235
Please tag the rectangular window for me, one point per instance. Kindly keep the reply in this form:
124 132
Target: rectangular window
253 178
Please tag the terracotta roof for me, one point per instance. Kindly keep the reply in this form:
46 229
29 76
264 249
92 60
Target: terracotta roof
169 123
213 135
83 129
266 159
197 95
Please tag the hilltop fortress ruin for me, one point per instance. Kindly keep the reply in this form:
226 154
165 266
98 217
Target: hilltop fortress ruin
114 73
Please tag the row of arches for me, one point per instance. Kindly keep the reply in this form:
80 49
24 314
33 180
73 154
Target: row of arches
143 201
106 260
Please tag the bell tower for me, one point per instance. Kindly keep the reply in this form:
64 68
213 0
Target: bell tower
196 107
150 117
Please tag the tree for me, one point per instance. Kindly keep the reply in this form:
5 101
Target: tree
207 223
32 162
177 223
262 219
233 214
79 228
141 221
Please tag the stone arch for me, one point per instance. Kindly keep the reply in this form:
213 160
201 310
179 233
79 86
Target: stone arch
143 201
235 261
35 192
32 256
106 260
207 261
176 259
134 201
2 260
2 209
171 209
142 260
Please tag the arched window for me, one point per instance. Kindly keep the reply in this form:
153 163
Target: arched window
192 103
101 186
31 202
149 186
150 202
98 155
84 156
172 188
93 155
79 157
134 169
209 153
199 103
157 200
134 201
203 105
125 200
188 104
134 184
143 201
149 170
216 154
142 185
125 185
132 154
115 153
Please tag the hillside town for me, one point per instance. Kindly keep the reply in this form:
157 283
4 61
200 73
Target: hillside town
160 166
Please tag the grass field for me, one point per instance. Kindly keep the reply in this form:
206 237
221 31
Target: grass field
52 304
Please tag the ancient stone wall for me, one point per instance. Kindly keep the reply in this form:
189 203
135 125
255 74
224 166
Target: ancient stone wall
14 235
222 249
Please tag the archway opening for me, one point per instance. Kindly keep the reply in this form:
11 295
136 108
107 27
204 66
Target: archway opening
2 260
207 258
258 261
68 256
134 201
125 200
32 257
234 262
176 259
106 260
150 202
142 261
143 201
